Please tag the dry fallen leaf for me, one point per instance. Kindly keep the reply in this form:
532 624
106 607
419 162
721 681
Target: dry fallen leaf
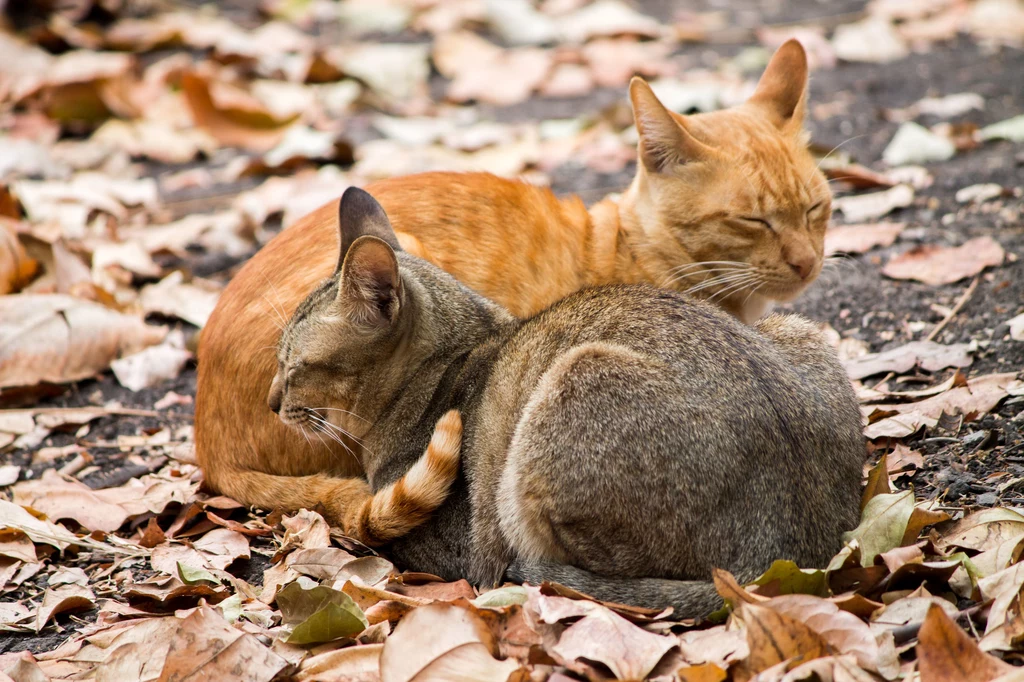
974 400
629 651
944 265
860 238
440 641
60 498
16 268
915 144
241 121
946 654
927 355
64 598
775 637
864 207
152 366
487 73
57 338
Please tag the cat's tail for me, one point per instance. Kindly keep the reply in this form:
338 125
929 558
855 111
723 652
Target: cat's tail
373 519
409 501
688 598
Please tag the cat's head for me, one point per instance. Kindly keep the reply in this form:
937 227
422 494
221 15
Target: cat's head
353 343
736 190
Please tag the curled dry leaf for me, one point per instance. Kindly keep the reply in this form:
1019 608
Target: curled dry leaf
57 338
985 530
775 637
319 614
860 238
152 366
928 355
14 517
60 498
629 651
353 664
861 208
974 400
69 597
944 265
606 18
915 144
16 268
437 641
482 71
883 524
946 654
206 647
241 121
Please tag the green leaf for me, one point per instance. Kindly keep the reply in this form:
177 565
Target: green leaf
319 614
190 575
503 596
1010 129
795 580
231 608
328 624
882 525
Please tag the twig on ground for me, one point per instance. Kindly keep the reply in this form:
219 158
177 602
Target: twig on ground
956 309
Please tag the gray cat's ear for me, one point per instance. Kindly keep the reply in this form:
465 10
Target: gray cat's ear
369 292
665 141
782 90
359 214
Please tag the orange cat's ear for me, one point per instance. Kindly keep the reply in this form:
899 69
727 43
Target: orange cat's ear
664 141
782 90
369 291
360 214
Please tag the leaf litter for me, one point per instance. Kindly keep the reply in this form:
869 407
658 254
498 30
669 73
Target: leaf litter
91 246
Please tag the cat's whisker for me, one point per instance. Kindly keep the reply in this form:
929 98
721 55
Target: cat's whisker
336 428
732 289
336 432
830 153
721 272
721 280
753 290
338 409
302 430
701 264
336 439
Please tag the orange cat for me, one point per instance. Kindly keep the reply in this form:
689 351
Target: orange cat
728 205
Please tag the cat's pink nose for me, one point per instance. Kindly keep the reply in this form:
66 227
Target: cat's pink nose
802 265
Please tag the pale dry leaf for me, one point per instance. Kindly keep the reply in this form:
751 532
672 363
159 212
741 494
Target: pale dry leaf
18 547
60 498
613 61
485 72
70 597
14 517
865 207
205 647
238 121
1016 327
844 632
860 238
305 529
717 645
871 40
57 338
429 634
352 664
937 265
978 194
945 653
222 547
915 144
395 71
1011 129
927 355
976 399
159 140
607 18
883 524
629 651
173 297
154 365
9 474
1002 588
518 22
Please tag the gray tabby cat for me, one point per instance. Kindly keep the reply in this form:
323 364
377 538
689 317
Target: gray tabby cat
623 442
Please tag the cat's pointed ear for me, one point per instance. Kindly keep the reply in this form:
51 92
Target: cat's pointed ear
664 141
782 90
369 292
359 214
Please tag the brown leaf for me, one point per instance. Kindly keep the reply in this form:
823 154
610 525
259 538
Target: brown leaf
613 62
629 651
928 355
858 177
166 590
878 482
435 640
860 238
946 654
57 338
59 498
206 647
238 121
844 632
717 646
487 73
1002 587
732 591
353 664
985 530
68 597
436 591
936 265
860 208
774 637
16 268
974 400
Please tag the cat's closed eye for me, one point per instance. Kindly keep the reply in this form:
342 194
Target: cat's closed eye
759 221
814 208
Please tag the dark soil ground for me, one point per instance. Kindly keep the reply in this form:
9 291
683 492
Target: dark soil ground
855 299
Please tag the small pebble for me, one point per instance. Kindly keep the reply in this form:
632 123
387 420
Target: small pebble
988 500
973 439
